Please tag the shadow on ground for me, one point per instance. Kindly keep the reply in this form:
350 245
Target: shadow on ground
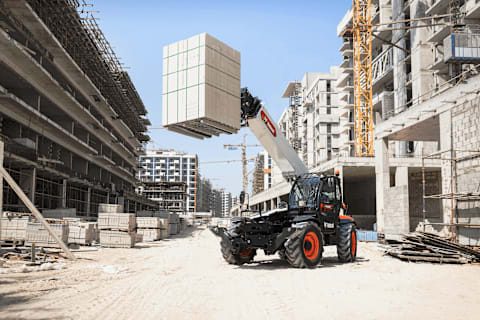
276 263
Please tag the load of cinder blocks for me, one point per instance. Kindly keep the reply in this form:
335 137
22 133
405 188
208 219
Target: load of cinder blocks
201 87
81 233
150 228
13 228
117 229
36 233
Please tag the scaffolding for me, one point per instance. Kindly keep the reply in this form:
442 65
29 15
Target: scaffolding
453 158
77 30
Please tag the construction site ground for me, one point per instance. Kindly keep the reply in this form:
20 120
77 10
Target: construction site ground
185 277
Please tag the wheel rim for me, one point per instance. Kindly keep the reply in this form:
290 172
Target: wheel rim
311 245
354 243
246 252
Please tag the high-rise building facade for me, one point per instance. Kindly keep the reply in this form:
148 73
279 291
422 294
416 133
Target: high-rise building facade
172 166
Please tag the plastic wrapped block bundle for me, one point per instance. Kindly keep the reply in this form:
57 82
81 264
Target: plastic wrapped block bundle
13 228
150 234
149 222
82 233
117 239
116 221
201 87
37 234
110 208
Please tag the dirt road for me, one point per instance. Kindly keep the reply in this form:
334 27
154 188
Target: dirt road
186 278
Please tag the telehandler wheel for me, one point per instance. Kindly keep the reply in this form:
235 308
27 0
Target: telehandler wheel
281 254
238 259
347 243
304 248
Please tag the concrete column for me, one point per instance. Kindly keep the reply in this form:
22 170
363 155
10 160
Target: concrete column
272 203
445 120
64 193
401 176
399 66
27 182
421 53
1 186
382 172
89 199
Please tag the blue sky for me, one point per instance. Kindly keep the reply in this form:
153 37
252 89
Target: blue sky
278 40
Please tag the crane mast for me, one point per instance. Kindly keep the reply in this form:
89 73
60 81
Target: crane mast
362 77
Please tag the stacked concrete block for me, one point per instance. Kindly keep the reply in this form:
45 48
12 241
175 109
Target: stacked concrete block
117 239
60 213
110 208
36 233
116 221
201 87
13 228
117 230
83 233
149 227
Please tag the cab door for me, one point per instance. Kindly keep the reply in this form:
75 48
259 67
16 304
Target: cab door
330 199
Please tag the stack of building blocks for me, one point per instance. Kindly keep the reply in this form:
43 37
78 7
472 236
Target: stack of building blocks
117 229
13 228
149 227
36 233
201 87
82 233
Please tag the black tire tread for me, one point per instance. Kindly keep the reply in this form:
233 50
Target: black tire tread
344 243
294 249
232 258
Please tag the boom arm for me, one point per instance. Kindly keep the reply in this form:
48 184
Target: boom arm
256 117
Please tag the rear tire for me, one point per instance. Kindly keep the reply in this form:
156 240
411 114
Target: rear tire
281 254
347 243
304 247
237 259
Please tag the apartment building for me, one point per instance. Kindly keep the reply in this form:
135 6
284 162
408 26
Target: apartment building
171 166
424 80
171 196
71 121
226 203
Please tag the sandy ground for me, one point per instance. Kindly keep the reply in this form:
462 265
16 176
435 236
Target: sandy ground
186 278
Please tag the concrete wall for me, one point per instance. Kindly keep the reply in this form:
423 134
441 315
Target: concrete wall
466 126
396 212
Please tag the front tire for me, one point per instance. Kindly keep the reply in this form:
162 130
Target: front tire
347 243
237 259
304 247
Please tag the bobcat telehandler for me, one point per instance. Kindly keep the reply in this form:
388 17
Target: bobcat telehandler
314 217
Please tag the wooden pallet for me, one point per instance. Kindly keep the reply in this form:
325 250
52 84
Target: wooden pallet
12 243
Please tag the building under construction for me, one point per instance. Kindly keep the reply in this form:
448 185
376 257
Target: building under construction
169 195
71 120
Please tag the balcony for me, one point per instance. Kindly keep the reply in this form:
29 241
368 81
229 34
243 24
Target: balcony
347 45
345 23
472 8
439 32
437 7
382 65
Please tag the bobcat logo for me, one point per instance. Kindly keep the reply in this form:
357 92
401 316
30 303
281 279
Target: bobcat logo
268 123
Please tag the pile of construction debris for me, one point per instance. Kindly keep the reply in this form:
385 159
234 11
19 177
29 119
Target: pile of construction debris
427 247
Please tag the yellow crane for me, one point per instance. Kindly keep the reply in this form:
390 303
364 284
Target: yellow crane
362 77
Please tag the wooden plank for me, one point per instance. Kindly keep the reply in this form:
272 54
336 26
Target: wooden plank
35 211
